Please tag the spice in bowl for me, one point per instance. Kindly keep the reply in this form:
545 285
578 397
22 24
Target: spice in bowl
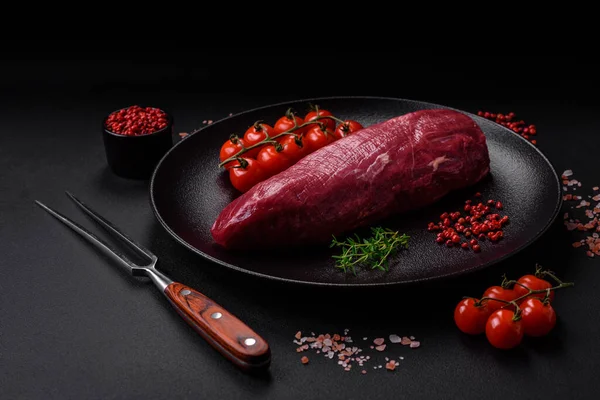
136 121
135 139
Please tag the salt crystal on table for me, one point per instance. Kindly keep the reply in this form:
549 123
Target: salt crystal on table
402 358
298 335
412 338
405 340
568 173
387 359
395 339
380 348
327 342
379 341
365 338
415 344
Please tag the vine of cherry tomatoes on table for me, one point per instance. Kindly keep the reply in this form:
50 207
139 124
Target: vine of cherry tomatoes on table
265 150
512 310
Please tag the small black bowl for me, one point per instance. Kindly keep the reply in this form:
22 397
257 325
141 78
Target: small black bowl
135 157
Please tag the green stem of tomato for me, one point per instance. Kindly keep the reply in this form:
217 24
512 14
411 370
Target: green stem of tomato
551 275
268 139
514 302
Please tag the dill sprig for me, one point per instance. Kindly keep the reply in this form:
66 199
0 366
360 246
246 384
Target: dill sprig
372 252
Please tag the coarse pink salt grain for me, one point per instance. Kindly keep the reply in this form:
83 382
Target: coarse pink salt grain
395 339
380 348
596 197
363 372
304 360
589 214
567 173
379 341
210 121
405 340
298 335
415 344
595 188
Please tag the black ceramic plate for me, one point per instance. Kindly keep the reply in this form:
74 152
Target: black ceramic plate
188 191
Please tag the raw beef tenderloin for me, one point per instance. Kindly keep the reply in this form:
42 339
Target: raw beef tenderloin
404 163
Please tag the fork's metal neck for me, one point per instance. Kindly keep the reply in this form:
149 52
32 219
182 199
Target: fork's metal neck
160 280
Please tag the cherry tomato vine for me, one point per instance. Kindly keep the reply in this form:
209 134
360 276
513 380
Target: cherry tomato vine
514 309
277 147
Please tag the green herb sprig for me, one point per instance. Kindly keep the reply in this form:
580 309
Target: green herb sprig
373 252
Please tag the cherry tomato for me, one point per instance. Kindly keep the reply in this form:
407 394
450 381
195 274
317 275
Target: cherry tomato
533 283
230 148
291 149
328 122
255 134
502 331
272 161
349 126
498 292
538 318
244 178
286 123
471 318
316 138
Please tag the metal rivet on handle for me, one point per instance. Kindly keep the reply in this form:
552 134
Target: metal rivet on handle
185 292
216 315
250 341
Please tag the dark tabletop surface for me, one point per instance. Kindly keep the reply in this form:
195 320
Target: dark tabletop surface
73 326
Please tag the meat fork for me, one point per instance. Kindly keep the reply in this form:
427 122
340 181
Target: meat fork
226 333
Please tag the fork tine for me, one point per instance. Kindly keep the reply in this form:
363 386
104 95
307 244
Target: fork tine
99 243
112 229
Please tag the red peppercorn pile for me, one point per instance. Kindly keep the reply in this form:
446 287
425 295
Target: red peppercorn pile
136 121
508 120
479 223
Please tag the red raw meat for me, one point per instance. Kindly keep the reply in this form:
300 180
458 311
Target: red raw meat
402 164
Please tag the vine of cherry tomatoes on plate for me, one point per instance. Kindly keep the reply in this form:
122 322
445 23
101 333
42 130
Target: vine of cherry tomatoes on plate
512 310
265 150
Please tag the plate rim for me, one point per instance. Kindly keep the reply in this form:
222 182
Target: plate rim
488 264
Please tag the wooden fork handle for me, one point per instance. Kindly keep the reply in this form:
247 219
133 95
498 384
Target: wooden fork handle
226 333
